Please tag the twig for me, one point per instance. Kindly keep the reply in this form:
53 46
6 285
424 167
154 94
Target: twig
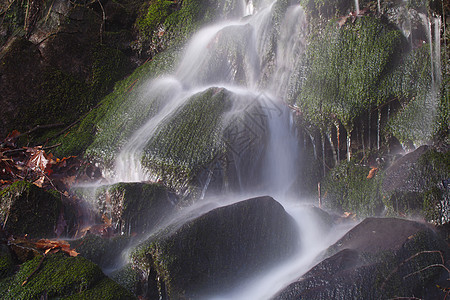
74 123
103 21
34 271
23 149
408 259
40 127
427 267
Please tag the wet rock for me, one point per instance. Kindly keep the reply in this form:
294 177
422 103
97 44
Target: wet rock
135 207
60 276
415 184
377 259
28 209
218 249
6 261
130 278
105 252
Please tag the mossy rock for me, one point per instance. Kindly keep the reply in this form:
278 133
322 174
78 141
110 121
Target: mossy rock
190 140
346 66
104 252
7 264
60 276
28 209
163 24
213 252
347 188
415 184
105 129
378 258
130 278
135 207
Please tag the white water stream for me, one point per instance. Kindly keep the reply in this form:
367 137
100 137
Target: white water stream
268 60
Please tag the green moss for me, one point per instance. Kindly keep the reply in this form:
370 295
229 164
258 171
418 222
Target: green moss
105 129
155 14
62 276
6 262
28 209
346 67
191 139
347 188
105 252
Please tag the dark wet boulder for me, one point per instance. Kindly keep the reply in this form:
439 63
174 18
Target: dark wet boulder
417 184
60 276
105 252
28 209
218 249
378 259
135 207
130 278
6 261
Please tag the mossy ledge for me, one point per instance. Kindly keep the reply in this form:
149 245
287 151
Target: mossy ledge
61 276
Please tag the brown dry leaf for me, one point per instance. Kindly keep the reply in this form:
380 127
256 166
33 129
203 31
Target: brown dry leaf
372 172
38 159
40 181
106 220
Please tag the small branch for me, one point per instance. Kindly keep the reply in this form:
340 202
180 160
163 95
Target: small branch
40 127
103 21
427 267
408 259
23 149
34 271
74 123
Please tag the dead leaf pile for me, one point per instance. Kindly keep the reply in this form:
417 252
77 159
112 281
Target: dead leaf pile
34 164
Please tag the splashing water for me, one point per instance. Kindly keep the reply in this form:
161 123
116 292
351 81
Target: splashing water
205 64
268 59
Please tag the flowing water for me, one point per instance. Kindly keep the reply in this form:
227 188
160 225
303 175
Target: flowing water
267 55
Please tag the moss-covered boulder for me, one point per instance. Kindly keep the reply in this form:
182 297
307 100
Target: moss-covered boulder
7 264
417 183
378 259
130 278
104 252
133 208
348 188
57 70
60 276
218 249
28 209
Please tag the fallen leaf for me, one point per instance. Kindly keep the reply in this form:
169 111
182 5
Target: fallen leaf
372 172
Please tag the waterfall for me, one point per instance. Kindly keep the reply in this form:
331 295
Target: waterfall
210 61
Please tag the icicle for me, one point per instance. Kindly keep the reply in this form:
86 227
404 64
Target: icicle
208 180
368 132
349 142
313 144
362 140
357 7
379 7
437 50
378 129
323 153
338 142
427 24
333 148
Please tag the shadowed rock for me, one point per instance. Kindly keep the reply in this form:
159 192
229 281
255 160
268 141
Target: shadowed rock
377 259
218 249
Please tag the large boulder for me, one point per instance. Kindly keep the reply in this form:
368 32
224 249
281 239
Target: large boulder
105 252
417 183
378 259
28 209
135 207
217 250
59 276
